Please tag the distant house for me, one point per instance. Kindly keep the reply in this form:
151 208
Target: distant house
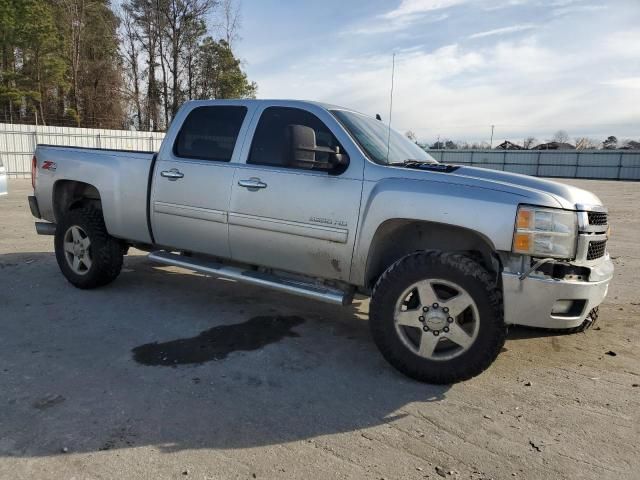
554 146
507 145
631 145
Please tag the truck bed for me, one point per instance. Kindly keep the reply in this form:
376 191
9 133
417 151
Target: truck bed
120 176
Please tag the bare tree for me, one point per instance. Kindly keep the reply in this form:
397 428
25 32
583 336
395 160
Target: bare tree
180 17
411 136
192 48
74 19
145 15
561 136
130 51
183 61
529 142
230 20
586 143
162 40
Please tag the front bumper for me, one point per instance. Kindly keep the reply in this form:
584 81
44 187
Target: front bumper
530 301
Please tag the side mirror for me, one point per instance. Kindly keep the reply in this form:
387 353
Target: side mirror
306 154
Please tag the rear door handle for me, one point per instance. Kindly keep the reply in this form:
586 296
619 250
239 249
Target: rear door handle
173 174
252 183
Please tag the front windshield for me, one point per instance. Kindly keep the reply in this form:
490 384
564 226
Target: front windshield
372 135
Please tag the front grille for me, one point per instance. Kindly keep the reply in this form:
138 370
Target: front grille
597 218
596 249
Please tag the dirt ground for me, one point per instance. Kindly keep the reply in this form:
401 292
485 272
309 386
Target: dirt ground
297 389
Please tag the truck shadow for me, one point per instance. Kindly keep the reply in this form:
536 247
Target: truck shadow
116 367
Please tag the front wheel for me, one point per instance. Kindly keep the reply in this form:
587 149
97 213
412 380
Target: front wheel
87 255
437 317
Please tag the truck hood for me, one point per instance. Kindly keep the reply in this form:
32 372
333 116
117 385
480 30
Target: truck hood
569 197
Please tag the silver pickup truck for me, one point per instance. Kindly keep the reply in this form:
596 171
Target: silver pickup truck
325 202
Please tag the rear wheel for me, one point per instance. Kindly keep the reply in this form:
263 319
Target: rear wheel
437 317
87 255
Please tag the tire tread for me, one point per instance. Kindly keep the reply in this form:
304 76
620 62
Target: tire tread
107 251
422 261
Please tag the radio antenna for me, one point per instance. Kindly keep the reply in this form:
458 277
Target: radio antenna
393 70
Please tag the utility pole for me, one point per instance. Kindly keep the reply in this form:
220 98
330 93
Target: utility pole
491 143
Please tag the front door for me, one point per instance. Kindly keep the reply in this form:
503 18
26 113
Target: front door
192 182
289 216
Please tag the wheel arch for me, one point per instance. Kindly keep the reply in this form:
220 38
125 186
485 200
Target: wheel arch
72 194
396 238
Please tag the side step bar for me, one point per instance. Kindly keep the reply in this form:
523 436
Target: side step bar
307 290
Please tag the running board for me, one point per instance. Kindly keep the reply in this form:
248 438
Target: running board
253 277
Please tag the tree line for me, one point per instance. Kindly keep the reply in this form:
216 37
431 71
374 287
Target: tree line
560 140
83 63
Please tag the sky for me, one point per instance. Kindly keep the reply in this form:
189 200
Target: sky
528 67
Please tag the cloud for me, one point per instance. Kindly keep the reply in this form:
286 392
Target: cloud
417 7
579 73
572 9
503 30
378 26
458 92
407 14
624 44
625 82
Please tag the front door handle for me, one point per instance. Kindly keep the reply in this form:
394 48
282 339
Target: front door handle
173 174
252 183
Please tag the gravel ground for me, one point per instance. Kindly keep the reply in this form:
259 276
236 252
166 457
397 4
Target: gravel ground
298 390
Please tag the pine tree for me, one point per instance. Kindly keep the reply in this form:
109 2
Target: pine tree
220 74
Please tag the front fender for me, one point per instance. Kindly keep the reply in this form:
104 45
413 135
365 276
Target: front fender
489 213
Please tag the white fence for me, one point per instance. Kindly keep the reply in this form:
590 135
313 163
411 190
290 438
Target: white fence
18 142
596 164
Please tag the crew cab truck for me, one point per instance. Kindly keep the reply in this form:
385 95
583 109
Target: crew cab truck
325 202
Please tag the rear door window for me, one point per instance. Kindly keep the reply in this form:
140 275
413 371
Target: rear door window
210 133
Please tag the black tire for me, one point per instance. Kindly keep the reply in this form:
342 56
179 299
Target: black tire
105 251
588 323
462 271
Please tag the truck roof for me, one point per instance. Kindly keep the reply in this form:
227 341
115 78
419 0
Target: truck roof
278 101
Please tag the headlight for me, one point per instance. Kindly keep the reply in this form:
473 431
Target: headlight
545 232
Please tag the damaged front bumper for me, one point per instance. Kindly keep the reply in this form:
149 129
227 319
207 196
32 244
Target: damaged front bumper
540 300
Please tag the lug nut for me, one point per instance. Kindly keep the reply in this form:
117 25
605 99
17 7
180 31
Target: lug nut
450 319
425 309
445 310
436 332
445 329
425 328
435 305
421 318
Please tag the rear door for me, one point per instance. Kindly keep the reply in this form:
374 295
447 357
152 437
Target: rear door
193 177
290 217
